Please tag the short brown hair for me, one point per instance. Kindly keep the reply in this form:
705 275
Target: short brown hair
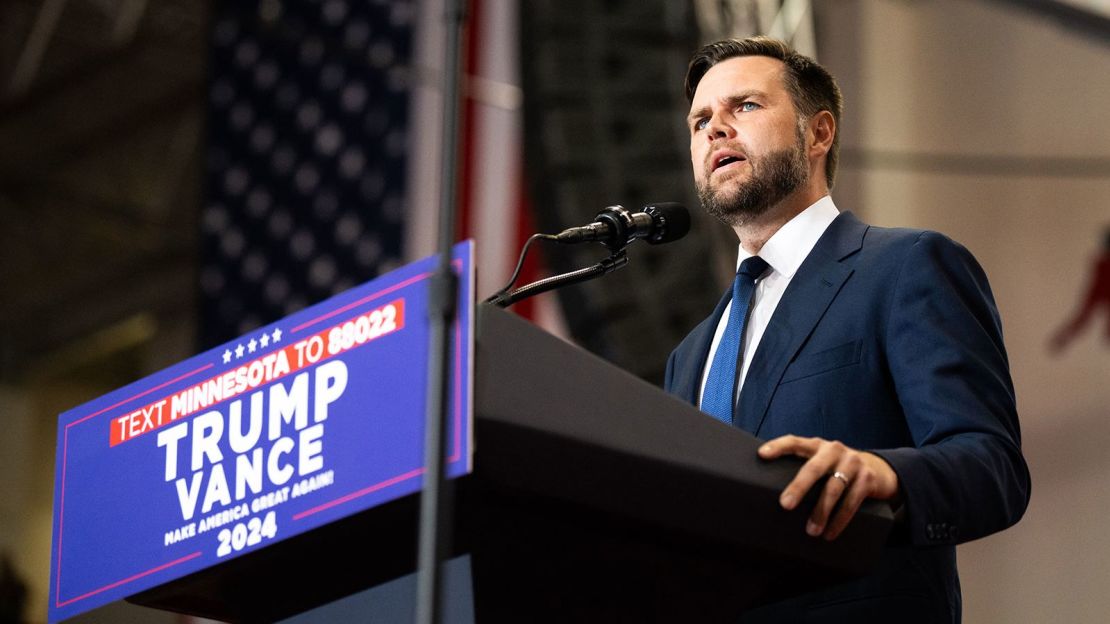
811 87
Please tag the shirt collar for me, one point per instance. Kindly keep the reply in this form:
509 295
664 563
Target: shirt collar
788 247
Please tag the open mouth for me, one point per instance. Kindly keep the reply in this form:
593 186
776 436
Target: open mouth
725 159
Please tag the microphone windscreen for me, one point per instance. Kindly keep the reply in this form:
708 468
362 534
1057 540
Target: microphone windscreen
673 219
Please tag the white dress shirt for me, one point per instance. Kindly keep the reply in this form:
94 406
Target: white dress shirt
784 252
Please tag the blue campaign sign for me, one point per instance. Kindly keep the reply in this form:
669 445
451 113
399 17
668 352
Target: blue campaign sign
293 426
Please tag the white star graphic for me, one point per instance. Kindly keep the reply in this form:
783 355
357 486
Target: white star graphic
265 340
239 351
277 335
227 355
252 345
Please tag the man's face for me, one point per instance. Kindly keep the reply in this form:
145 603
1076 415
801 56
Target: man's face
747 146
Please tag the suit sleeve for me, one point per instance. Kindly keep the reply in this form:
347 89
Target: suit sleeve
965 477
668 376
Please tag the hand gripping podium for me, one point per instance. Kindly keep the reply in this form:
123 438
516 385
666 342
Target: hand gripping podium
595 497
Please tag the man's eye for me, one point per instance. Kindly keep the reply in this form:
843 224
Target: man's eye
701 123
748 107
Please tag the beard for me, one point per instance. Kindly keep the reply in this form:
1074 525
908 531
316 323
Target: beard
774 176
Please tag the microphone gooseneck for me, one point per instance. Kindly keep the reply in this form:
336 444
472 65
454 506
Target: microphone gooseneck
615 227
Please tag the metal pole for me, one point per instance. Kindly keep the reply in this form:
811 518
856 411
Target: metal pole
436 511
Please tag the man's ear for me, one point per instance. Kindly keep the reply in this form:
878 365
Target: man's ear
823 128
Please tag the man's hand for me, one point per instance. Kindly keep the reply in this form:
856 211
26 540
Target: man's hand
860 475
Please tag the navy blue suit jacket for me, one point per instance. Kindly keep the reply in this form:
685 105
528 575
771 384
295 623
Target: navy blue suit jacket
889 340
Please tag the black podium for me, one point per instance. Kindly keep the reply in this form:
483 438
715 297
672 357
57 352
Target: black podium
595 497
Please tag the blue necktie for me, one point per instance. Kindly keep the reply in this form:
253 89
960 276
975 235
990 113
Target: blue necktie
719 398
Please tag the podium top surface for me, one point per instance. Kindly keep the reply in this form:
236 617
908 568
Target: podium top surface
555 420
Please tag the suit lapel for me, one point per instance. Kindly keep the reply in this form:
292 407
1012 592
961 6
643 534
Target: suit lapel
815 285
687 381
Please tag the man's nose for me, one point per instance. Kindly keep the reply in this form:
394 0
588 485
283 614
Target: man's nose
718 129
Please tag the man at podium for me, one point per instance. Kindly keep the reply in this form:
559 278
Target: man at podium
875 354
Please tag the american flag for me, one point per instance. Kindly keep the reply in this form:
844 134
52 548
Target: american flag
306 166
314 180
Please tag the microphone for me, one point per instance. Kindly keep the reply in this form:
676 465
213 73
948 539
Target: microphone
616 226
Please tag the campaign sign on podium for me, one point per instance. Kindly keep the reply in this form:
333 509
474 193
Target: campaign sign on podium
290 427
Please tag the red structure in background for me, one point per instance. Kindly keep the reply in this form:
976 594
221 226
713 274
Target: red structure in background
1097 297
